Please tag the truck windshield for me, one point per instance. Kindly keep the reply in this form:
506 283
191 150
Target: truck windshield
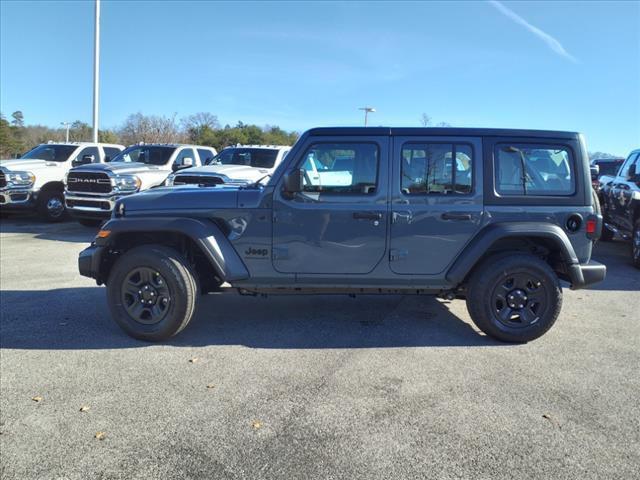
251 157
50 153
150 155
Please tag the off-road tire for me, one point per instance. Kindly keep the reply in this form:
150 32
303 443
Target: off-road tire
491 279
178 278
89 222
635 244
48 198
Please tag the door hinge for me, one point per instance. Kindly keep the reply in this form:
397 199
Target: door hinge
396 254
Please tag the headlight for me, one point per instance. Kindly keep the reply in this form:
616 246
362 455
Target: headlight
20 179
127 183
170 180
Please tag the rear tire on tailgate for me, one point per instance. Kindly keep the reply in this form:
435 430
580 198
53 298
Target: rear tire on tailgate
514 297
152 292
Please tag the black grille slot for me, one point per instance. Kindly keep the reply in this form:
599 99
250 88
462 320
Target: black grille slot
197 180
85 203
88 182
3 180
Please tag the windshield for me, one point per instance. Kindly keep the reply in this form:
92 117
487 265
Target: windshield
50 153
251 157
150 155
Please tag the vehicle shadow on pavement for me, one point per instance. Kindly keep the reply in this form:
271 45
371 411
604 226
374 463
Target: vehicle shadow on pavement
616 256
67 231
78 318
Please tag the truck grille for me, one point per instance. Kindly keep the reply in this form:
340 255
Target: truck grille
197 180
88 182
3 180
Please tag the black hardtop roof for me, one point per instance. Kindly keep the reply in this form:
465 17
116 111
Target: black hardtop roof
441 131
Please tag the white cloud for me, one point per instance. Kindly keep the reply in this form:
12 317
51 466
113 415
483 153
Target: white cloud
551 42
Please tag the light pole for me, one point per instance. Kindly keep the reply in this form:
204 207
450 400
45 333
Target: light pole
367 111
96 70
66 124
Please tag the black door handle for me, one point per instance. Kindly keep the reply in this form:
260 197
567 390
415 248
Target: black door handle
367 216
456 216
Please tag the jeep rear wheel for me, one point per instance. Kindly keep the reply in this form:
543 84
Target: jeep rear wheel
152 292
514 297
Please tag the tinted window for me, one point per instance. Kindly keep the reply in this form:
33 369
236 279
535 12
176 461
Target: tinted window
93 151
110 152
430 168
185 153
151 155
51 153
252 157
205 155
608 168
534 170
624 171
341 168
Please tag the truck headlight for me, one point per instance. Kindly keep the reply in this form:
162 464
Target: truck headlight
20 179
170 179
127 183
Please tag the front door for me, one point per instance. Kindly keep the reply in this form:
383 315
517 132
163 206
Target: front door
436 205
338 223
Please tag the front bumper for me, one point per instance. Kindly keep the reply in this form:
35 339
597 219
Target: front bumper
90 205
17 198
584 274
89 262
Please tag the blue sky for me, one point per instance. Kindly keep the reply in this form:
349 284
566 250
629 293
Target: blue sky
549 65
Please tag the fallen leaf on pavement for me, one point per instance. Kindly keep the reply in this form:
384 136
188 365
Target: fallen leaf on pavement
211 385
85 408
37 398
101 435
256 424
193 360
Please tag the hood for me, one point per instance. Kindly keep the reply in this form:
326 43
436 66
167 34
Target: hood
182 198
125 168
230 172
21 165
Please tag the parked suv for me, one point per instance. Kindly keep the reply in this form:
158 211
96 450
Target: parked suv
497 217
239 164
92 190
619 196
35 180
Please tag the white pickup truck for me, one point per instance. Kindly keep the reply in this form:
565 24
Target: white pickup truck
239 164
92 190
35 180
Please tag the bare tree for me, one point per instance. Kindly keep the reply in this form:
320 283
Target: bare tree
425 120
150 129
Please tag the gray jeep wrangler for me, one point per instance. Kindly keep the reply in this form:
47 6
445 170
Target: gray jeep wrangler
497 217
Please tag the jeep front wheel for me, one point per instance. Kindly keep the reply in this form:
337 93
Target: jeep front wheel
514 297
152 292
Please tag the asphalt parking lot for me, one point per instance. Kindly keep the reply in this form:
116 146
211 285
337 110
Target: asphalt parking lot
308 387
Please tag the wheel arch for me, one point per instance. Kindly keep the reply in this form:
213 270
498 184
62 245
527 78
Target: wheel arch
549 242
201 241
52 185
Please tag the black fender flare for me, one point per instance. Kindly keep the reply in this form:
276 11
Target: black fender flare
204 233
479 245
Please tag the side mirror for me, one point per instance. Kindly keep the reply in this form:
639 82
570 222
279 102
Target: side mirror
84 160
294 181
595 171
186 163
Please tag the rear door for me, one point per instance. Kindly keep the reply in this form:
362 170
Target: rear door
436 201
